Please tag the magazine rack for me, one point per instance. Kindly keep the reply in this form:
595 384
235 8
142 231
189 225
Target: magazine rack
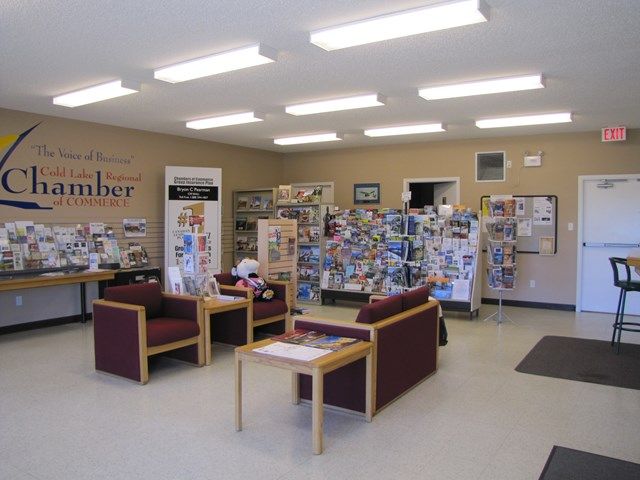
278 252
249 206
308 217
501 250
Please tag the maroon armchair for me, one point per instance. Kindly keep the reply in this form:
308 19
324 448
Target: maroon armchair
272 316
136 321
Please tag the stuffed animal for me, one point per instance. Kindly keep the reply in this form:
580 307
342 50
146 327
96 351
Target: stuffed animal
247 270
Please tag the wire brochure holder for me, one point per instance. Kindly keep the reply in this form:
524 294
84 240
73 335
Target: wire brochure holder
501 250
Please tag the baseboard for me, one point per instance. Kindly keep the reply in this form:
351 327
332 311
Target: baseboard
520 303
52 322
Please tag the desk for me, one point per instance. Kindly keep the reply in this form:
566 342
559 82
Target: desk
212 306
633 262
35 281
316 368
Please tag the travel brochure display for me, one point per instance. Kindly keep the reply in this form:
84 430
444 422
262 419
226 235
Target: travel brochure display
195 267
193 212
502 230
28 246
309 226
388 252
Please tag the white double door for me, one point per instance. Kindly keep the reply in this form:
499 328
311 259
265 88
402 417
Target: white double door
610 227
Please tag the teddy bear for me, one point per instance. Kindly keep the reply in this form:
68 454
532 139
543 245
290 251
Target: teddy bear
247 271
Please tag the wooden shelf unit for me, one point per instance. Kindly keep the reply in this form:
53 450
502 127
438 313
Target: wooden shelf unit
245 240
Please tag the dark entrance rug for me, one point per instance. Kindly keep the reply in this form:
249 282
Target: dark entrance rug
592 361
568 464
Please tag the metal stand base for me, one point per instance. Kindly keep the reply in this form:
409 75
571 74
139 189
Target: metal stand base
500 316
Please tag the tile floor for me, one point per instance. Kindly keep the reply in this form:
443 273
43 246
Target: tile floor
476 418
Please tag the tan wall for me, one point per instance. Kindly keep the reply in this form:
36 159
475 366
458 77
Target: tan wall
565 157
148 152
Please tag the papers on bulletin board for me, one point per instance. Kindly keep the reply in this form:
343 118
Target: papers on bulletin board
542 211
519 206
290 350
525 227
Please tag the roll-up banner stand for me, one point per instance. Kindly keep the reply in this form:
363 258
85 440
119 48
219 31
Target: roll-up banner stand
192 205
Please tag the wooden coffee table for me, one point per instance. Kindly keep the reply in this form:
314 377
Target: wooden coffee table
212 306
316 368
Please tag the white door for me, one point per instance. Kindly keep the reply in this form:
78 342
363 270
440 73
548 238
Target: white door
610 228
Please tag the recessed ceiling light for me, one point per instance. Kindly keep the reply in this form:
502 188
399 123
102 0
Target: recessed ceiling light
404 130
524 120
482 87
219 63
97 93
402 24
337 104
224 120
322 137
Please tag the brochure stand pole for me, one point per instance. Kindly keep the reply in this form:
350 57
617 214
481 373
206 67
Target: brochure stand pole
499 314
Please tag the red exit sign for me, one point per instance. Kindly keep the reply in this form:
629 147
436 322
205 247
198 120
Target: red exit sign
614 134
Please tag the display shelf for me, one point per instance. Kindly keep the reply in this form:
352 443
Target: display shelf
501 252
387 252
247 218
309 229
277 252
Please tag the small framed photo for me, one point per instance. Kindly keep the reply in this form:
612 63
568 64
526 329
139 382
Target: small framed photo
284 194
547 245
364 193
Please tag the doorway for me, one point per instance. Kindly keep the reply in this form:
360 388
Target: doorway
432 191
608 226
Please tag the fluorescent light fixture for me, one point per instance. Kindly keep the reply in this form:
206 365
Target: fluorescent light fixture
224 120
404 130
337 104
97 93
219 63
402 24
482 87
322 137
524 120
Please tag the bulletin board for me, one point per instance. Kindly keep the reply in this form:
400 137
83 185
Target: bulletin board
540 213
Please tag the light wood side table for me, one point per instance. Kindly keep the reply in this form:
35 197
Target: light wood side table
317 368
212 306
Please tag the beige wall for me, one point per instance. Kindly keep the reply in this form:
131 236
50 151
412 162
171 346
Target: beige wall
565 157
148 153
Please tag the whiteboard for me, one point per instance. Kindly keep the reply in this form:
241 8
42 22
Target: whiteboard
543 223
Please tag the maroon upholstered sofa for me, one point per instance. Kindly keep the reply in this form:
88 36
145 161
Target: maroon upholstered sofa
404 332
136 321
271 316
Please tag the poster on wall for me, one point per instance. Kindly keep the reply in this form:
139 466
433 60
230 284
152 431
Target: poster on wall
192 206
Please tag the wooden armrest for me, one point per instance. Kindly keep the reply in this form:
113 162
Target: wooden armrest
239 291
375 298
125 306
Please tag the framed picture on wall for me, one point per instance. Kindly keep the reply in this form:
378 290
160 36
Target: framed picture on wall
366 193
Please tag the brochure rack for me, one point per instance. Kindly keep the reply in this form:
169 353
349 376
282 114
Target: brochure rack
309 252
501 251
249 206
278 252
387 252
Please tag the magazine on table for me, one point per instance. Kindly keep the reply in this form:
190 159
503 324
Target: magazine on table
311 338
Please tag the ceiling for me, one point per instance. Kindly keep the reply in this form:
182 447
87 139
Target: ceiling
588 50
